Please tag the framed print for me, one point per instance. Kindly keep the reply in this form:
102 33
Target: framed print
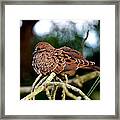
60 60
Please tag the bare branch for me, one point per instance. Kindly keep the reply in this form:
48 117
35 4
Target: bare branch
25 89
48 93
68 93
40 88
79 91
82 79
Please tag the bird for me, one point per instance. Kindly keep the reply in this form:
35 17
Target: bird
63 60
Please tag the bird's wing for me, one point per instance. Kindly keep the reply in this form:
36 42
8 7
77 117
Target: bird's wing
71 52
75 59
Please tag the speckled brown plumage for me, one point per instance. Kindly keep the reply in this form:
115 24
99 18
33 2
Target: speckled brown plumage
47 59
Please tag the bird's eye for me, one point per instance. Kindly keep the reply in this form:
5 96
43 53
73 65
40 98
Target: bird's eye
38 49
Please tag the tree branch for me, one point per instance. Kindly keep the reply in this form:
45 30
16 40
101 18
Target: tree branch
82 79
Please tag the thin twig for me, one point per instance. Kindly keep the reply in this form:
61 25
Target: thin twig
63 94
79 91
48 93
93 86
85 37
66 78
68 93
41 81
58 79
83 41
36 80
55 91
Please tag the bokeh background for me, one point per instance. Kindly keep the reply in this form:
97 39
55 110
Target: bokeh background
58 33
